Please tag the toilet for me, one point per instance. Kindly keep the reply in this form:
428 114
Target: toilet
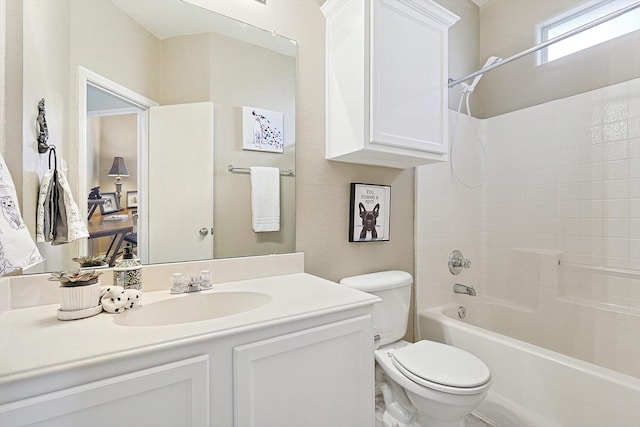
424 384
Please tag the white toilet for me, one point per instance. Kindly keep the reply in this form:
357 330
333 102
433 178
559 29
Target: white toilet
424 384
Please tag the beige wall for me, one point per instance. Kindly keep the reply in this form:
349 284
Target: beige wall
509 27
464 43
243 74
11 88
56 43
233 74
118 137
322 186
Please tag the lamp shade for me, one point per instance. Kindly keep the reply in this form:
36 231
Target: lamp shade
118 167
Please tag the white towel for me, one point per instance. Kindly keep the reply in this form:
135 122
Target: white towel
17 248
265 199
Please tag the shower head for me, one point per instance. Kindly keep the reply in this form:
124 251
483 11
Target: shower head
470 88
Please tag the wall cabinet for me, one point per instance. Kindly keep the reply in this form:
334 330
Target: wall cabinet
386 81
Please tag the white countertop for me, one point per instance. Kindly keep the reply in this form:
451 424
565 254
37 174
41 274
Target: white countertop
33 341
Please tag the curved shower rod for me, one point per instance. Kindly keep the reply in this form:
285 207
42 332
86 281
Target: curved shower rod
536 48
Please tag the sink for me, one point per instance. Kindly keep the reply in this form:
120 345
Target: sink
195 307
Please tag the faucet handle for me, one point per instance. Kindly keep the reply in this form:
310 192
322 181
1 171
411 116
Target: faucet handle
457 262
462 263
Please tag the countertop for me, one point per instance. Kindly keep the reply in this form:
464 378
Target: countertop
33 341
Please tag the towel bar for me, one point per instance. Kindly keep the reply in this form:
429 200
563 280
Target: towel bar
233 169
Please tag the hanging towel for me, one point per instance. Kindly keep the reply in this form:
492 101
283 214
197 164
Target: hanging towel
58 219
74 226
17 248
265 199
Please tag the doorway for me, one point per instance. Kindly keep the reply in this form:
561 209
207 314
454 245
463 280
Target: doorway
113 123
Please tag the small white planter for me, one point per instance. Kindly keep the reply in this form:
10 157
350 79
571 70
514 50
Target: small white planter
77 302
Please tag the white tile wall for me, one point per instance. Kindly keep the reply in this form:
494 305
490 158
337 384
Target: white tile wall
562 177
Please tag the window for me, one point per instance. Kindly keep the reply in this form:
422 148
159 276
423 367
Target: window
611 29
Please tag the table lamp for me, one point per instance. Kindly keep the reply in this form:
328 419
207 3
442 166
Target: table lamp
118 169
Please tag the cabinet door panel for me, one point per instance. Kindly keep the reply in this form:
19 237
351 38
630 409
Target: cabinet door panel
407 79
314 378
171 395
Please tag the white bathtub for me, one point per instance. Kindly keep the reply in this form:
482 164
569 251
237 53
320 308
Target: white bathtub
572 369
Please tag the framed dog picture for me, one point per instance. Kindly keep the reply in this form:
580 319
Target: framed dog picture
370 206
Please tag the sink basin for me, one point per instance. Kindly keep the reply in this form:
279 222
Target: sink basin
196 307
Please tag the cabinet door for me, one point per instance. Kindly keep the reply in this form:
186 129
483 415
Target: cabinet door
314 378
408 78
171 395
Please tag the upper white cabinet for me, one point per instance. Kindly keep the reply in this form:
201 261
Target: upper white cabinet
387 81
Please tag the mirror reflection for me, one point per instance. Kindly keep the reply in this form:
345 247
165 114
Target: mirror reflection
149 103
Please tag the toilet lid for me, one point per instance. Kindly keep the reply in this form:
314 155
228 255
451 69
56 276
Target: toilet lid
441 364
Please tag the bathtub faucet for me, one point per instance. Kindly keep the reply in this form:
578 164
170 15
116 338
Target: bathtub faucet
464 289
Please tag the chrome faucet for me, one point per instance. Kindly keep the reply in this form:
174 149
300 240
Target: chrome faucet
198 283
193 286
457 262
464 289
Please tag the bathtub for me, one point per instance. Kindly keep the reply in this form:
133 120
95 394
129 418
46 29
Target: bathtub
577 368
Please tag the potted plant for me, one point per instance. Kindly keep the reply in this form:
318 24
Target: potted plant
91 262
80 294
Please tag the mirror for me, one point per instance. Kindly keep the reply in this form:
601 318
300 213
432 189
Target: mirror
102 66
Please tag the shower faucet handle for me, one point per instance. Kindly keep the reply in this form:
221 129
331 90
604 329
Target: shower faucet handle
457 262
463 263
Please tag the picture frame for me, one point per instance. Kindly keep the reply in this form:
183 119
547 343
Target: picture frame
369 212
262 130
110 204
132 199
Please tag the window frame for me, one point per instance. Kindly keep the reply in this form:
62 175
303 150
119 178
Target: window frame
542 30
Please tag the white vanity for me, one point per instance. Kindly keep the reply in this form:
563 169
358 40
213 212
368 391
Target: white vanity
297 351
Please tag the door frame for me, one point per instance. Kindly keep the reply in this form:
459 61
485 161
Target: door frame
88 77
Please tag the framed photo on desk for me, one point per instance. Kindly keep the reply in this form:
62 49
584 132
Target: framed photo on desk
110 204
132 199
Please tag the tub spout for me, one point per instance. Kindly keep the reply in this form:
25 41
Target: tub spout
464 289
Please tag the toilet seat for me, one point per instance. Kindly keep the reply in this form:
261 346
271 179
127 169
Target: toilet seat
441 367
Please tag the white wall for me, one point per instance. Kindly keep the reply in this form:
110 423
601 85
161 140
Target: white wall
563 182
576 191
561 173
448 217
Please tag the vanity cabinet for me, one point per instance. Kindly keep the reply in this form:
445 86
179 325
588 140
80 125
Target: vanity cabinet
386 81
314 372
317 377
173 394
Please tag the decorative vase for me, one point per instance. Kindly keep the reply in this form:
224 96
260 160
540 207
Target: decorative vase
79 294
80 297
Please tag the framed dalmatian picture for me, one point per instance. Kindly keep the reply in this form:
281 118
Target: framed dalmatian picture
369 210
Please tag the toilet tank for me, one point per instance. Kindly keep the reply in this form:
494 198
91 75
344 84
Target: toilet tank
390 316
